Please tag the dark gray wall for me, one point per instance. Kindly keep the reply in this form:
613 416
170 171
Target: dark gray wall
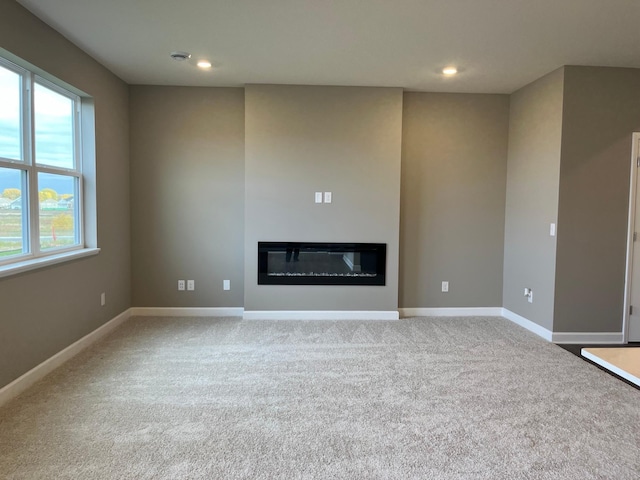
533 170
44 311
601 111
300 140
454 165
187 191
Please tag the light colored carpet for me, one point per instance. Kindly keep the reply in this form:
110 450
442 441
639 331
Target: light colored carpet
437 398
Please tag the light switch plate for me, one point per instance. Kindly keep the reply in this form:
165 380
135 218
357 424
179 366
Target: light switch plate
191 285
226 284
552 229
318 197
327 197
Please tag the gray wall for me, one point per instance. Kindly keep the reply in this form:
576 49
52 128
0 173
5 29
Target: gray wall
46 310
533 172
299 140
187 192
601 111
454 164
568 159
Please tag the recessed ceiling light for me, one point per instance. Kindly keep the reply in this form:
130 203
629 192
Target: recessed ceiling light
450 70
180 56
204 64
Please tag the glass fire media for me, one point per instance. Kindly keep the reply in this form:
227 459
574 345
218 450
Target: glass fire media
312 263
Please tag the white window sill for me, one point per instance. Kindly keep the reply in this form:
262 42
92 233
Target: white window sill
41 262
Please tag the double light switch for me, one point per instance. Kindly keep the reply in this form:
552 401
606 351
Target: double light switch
326 198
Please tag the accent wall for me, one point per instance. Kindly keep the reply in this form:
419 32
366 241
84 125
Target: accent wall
303 139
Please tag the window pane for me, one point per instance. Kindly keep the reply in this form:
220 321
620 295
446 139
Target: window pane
12 207
10 140
58 217
54 128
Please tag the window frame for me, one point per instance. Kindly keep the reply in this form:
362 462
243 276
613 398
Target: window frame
33 255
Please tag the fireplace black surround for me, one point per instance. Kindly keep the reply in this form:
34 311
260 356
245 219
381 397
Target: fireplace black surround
313 263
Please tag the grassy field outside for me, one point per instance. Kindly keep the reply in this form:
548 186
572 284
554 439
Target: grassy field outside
56 230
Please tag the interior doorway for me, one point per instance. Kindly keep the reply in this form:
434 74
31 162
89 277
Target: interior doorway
631 321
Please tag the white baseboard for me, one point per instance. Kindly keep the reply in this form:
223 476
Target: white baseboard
564 337
25 381
528 324
319 315
38 372
588 337
452 312
187 311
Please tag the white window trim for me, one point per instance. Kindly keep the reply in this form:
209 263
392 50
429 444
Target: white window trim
84 126
45 261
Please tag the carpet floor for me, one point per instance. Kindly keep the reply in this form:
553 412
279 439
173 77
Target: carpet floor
421 398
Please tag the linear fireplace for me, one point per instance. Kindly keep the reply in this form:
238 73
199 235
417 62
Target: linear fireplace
312 263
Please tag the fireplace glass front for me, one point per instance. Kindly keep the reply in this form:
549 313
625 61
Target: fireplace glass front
312 263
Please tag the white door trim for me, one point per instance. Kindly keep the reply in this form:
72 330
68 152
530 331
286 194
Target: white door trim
633 187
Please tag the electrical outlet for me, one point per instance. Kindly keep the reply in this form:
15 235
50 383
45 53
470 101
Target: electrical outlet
445 286
226 284
530 296
181 285
191 285
103 299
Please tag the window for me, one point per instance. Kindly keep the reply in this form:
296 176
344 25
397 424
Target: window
41 178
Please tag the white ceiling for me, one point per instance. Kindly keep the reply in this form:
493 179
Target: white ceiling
498 45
